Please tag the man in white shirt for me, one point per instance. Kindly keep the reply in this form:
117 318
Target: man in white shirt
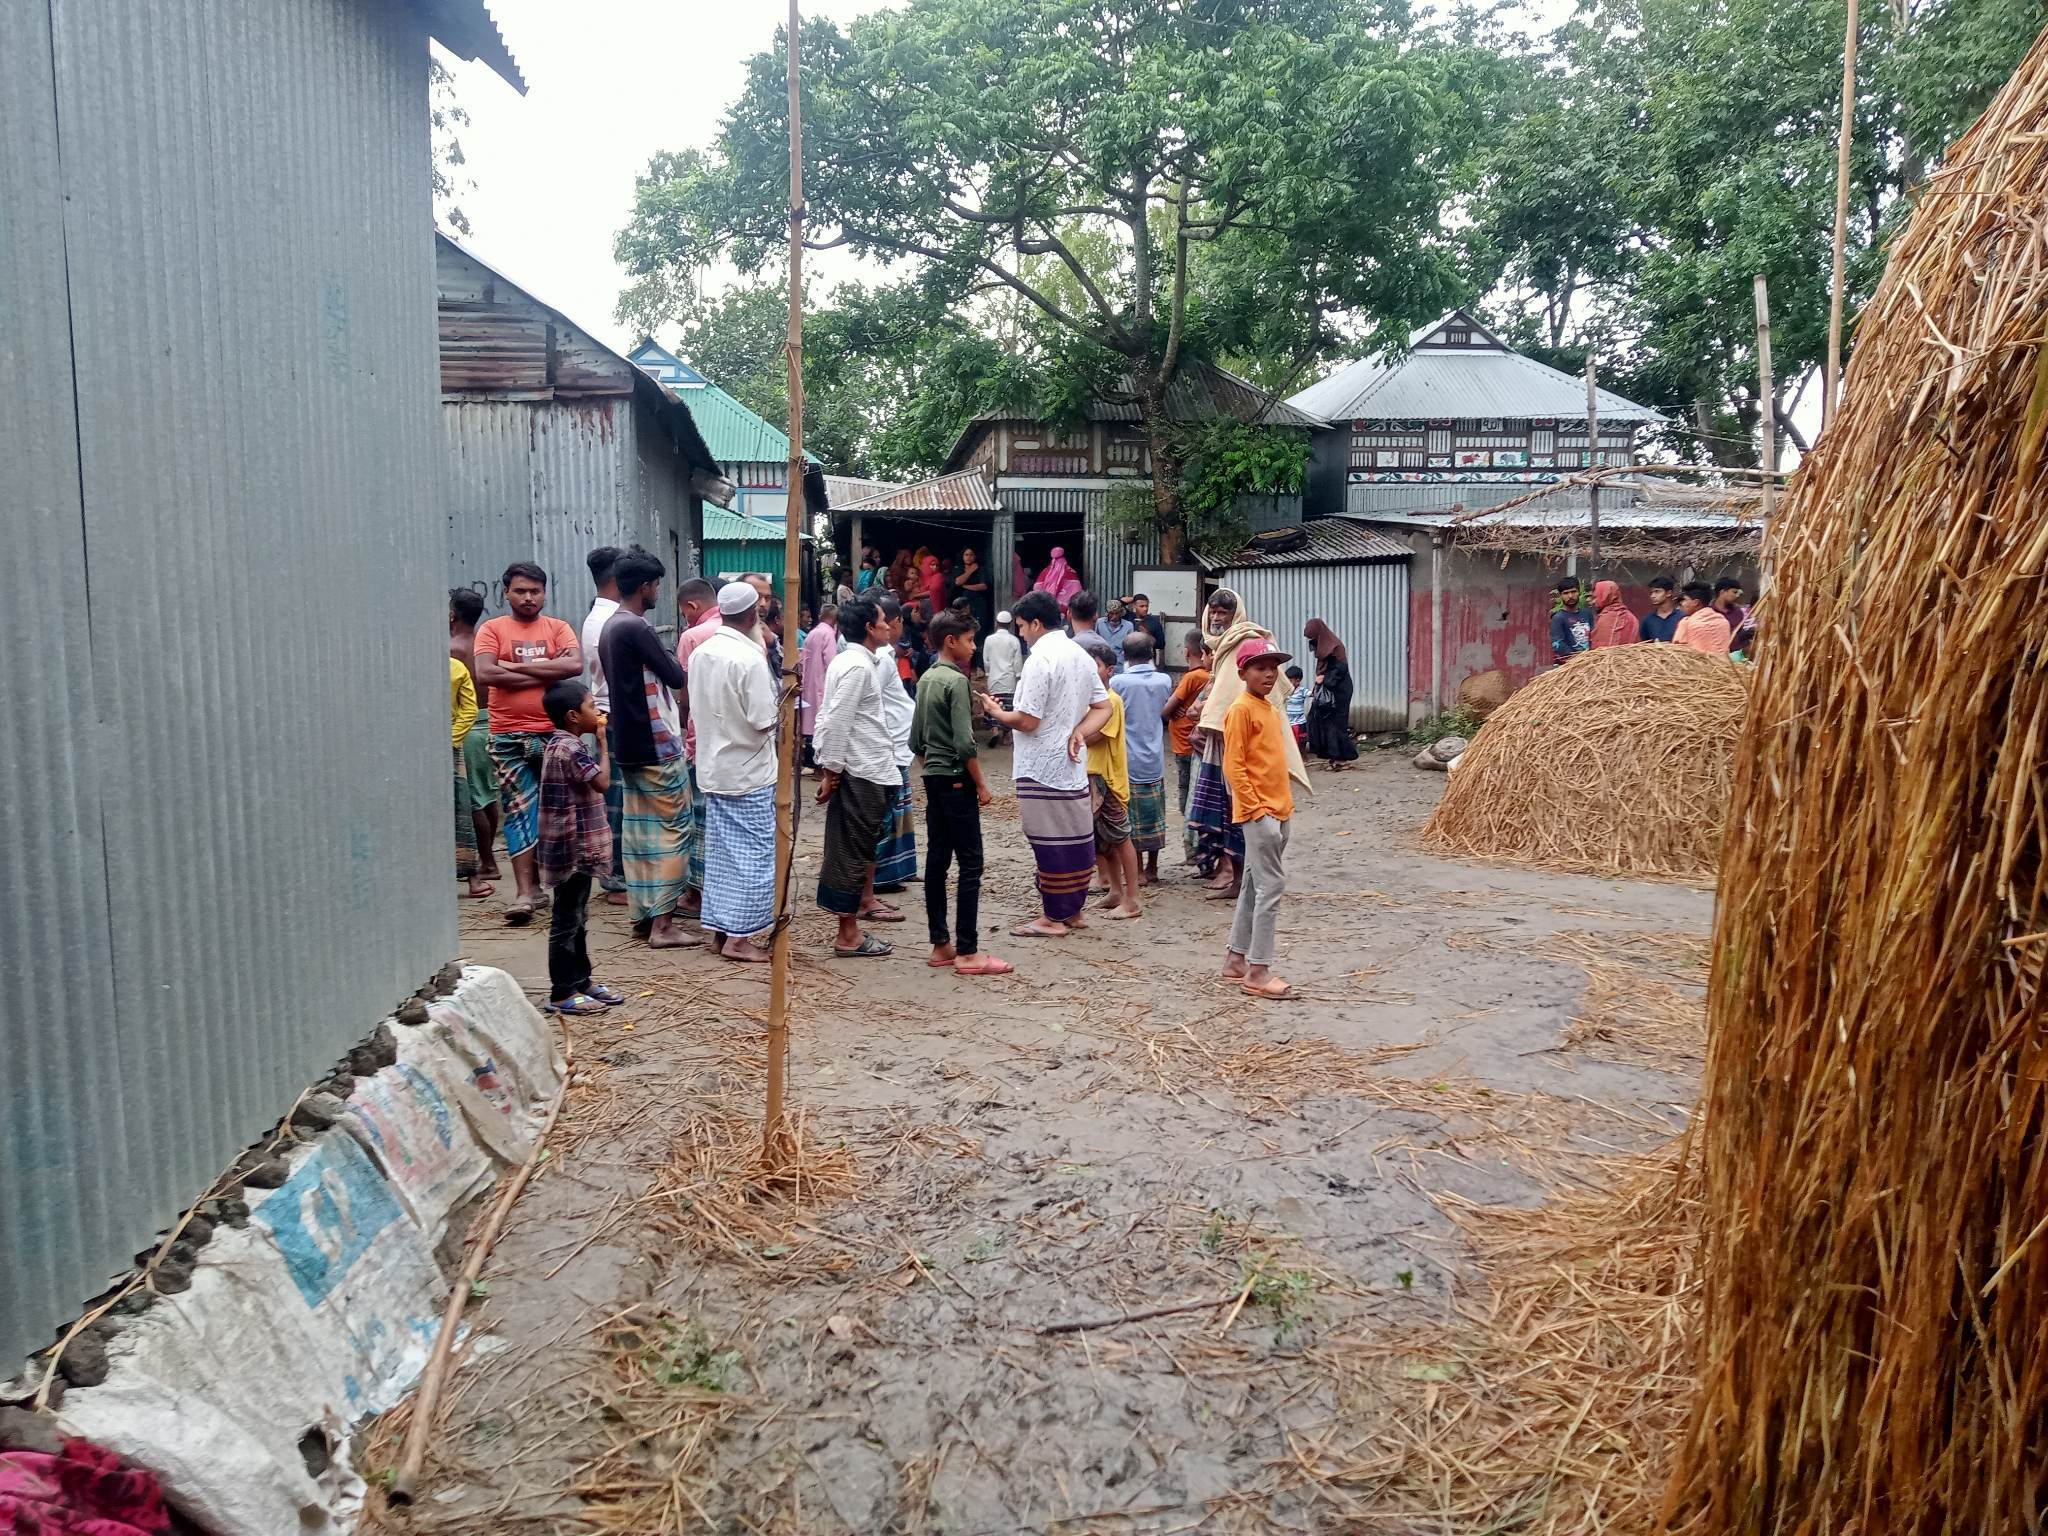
601 561
896 855
1002 657
857 776
732 701
1059 699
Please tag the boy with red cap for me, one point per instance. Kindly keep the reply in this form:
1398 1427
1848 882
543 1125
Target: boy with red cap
1262 803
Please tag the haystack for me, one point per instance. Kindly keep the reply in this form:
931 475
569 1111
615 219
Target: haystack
1616 763
1874 1350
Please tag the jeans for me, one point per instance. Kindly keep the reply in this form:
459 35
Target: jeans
1264 883
568 946
952 821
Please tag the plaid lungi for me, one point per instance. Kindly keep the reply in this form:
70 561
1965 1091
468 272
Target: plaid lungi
1060 825
477 766
517 755
896 851
854 818
465 822
739 862
654 829
1148 816
1112 816
696 849
1209 813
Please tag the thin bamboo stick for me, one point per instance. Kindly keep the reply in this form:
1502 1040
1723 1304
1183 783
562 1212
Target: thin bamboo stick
1830 384
774 1137
1767 408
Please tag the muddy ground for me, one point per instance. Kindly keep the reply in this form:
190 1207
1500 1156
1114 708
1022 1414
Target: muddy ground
1110 1131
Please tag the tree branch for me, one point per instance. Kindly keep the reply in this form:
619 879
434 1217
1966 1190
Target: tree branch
1177 305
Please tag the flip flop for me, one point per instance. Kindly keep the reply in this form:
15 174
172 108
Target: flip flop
1026 931
939 965
577 1004
869 948
611 997
519 914
488 890
1265 989
990 966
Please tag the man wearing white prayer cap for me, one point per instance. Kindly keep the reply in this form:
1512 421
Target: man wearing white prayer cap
732 700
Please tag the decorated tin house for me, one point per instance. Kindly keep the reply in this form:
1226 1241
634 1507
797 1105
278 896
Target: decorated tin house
754 451
1461 420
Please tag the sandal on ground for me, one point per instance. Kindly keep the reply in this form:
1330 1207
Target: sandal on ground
869 948
577 1003
984 965
1272 988
611 997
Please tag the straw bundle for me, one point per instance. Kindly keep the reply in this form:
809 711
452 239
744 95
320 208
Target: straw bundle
1484 692
1615 763
1874 1347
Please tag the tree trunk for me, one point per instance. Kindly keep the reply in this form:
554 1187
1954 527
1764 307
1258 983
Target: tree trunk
1166 471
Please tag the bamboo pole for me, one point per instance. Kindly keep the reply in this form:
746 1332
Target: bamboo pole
1768 412
774 1139
1833 377
1592 459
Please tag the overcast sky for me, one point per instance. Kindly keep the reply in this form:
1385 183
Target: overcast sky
609 83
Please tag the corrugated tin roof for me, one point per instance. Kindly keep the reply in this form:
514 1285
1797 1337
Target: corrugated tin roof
732 528
466 29
1567 516
1438 382
844 490
1199 392
962 491
736 434
1331 541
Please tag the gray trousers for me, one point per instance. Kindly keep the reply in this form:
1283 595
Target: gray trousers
1264 882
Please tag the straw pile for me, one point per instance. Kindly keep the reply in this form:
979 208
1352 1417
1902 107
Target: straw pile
1616 763
1876 1252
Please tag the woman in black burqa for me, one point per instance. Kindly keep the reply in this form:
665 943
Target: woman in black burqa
1329 708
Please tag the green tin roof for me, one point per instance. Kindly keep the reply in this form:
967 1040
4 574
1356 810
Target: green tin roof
721 526
735 434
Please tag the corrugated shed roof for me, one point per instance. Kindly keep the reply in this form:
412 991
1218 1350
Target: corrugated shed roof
1612 516
963 491
1437 382
467 30
1331 541
1199 392
736 434
732 528
844 490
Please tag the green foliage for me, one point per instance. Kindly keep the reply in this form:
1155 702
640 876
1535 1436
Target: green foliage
446 117
1286 1291
1220 461
1459 721
682 1356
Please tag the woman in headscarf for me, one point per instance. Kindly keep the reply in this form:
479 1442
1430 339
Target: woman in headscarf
1058 578
1219 841
1614 622
898 580
1020 575
933 584
1329 709
973 584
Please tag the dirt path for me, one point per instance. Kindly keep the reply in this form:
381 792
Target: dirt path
1108 1132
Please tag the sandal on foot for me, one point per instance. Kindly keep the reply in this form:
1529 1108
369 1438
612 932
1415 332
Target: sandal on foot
882 912
869 948
1266 989
577 1003
1027 931
985 965
520 913
611 997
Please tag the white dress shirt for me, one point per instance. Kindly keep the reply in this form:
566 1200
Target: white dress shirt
593 669
732 700
851 736
898 707
1002 653
1058 685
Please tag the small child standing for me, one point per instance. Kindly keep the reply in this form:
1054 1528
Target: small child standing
1109 777
575 843
1297 706
1262 802
1145 691
942 732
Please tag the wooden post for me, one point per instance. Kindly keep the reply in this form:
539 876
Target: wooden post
1592 462
774 1135
1767 412
1832 381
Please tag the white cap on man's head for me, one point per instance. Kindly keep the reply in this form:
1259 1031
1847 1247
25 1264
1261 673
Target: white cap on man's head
1003 617
736 597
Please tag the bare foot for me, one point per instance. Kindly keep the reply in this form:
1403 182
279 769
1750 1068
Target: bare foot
692 901
617 898
487 869
480 887
1122 914
982 965
1234 968
746 951
1223 892
666 935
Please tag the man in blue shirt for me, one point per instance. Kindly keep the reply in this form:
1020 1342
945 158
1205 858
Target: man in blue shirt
1114 627
1145 690
1571 627
1661 622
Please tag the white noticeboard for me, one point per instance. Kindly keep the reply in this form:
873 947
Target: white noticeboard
1175 592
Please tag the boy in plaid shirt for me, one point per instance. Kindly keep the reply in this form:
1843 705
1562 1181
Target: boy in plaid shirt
575 843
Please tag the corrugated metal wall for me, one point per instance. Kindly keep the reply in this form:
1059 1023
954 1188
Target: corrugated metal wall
228 824
1367 605
549 481
1429 497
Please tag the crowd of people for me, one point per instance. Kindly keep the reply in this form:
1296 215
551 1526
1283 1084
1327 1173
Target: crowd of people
613 762
1699 616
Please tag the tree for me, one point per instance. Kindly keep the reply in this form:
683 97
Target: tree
445 117
1297 149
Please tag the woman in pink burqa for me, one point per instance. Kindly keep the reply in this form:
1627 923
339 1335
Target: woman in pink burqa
1058 578
820 646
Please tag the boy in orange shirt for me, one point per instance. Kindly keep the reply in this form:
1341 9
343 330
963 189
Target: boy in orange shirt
1262 802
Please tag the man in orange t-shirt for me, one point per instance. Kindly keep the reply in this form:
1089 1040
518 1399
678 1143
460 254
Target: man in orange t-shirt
518 654
1179 715
1255 740
1703 628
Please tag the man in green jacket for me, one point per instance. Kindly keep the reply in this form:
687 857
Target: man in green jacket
942 732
